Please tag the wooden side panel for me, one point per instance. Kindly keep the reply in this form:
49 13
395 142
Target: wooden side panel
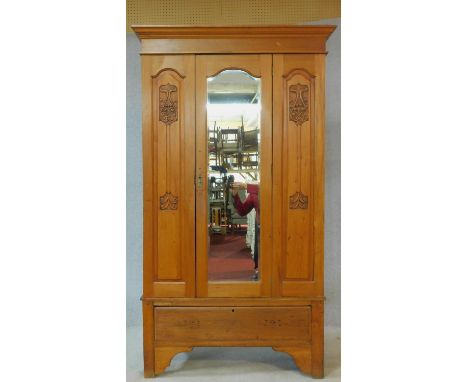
298 91
241 324
168 170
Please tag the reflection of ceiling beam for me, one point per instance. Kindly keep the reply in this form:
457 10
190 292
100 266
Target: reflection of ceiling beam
231 98
232 87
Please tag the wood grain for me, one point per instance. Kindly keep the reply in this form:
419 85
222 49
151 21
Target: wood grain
197 301
298 167
228 31
168 151
148 338
181 308
317 338
240 324
233 39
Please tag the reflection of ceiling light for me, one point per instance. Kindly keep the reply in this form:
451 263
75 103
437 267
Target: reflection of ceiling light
233 110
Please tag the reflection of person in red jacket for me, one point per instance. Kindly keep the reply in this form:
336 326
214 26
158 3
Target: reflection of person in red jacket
243 208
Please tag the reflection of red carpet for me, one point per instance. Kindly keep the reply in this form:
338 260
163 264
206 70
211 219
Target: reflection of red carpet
229 259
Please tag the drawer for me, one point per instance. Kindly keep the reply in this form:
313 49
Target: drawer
211 324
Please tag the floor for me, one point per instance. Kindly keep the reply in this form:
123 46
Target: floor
233 364
229 258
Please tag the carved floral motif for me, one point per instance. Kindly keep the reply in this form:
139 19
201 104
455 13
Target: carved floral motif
168 112
298 200
299 103
168 202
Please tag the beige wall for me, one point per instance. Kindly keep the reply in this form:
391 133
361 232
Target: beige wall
229 12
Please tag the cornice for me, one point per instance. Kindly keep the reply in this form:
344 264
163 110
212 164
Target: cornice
188 39
247 31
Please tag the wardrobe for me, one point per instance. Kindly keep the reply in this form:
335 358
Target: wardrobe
233 123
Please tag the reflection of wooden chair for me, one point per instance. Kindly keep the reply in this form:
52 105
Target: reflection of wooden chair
219 220
230 140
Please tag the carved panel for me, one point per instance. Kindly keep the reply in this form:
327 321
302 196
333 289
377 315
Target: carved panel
298 103
298 200
298 93
297 167
168 82
191 324
272 323
168 202
168 104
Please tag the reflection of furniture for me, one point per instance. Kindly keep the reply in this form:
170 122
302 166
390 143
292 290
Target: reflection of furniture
181 307
236 149
222 214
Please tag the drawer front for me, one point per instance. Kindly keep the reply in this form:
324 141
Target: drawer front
210 324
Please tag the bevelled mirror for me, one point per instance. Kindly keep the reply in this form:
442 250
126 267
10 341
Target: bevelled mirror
233 123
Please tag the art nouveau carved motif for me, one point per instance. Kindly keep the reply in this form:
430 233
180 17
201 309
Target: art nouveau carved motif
168 105
168 89
299 103
298 200
168 202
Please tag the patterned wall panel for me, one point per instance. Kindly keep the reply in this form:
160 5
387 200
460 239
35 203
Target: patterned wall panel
229 12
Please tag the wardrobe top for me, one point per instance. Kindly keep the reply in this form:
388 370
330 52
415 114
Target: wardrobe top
174 39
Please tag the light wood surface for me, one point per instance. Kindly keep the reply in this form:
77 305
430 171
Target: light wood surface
168 152
264 301
233 39
317 338
181 308
297 331
298 168
148 338
228 31
242 324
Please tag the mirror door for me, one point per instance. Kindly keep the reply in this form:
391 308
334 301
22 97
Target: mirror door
233 175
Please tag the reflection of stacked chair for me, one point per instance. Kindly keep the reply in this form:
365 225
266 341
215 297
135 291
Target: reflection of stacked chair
223 216
217 206
229 150
219 220
234 148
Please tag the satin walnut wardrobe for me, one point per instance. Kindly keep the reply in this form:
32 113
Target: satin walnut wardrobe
233 117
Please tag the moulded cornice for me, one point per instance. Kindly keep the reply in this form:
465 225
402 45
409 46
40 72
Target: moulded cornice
180 39
247 31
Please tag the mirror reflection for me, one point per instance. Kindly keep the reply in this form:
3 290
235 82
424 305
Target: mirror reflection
233 118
